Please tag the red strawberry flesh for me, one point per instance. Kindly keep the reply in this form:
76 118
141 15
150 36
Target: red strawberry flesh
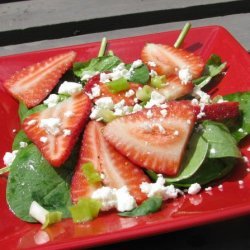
57 147
32 84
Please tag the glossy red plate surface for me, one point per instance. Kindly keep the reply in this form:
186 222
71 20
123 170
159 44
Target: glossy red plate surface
181 213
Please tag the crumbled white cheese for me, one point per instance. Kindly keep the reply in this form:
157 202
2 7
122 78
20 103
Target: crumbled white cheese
9 157
114 198
105 103
152 64
95 92
66 132
137 108
86 75
208 189
245 159
68 113
153 73
129 93
51 125
156 99
194 188
31 122
43 139
52 100
70 88
125 201
194 102
185 75
136 64
201 95
104 78
212 151
220 187
158 188
149 114
23 144
164 112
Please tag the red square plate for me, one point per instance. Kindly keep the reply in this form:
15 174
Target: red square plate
181 213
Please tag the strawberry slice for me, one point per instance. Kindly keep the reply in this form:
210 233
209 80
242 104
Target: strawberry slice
219 111
170 60
56 129
116 97
32 84
155 142
89 153
118 171
175 89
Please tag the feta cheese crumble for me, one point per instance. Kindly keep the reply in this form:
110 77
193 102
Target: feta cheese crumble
70 88
158 188
9 157
129 93
51 125
31 122
95 92
43 139
114 198
86 75
156 99
152 64
52 100
23 144
185 75
195 188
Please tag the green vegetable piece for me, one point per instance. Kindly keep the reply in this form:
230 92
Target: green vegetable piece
107 115
90 173
144 94
158 81
139 75
52 218
151 205
101 64
118 85
211 170
194 157
213 67
241 128
33 178
24 112
85 210
182 35
20 137
4 170
102 47
221 142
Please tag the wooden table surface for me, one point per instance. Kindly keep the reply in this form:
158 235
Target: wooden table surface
38 24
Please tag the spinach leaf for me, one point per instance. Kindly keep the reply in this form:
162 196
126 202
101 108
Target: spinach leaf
20 137
241 127
139 75
213 67
151 205
33 178
194 157
221 142
101 64
211 169
24 112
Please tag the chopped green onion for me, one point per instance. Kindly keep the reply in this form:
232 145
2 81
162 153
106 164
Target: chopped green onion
144 94
85 210
90 173
102 47
111 53
107 115
4 170
158 81
52 218
118 85
182 35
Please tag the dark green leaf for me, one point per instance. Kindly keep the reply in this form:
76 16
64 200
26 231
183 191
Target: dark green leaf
241 127
139 75
32 178
194 157
101 64
20 137
211 169
221 142
213 67
151 205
